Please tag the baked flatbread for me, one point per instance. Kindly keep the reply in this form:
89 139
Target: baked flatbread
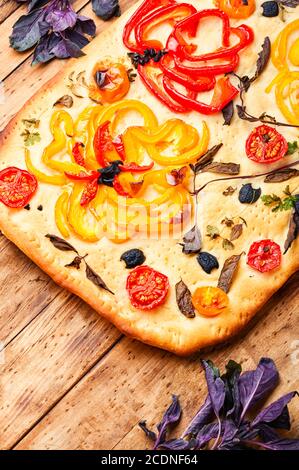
164 326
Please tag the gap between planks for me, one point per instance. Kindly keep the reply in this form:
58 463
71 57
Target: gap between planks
135 382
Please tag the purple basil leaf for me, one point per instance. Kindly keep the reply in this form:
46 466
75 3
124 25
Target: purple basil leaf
149 433
229 432
61 16
232 400
171 416
43 51
278 444
85 25
70 45
266 433
273 412
176 444
216 389
257 384
202 417
215 385
207 432
106 9
34 4
27 31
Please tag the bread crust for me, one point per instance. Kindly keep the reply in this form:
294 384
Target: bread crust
165 327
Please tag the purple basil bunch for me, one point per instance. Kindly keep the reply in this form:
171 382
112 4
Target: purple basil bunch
56 30
222 422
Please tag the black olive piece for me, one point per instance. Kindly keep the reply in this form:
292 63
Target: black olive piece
207 261
108 173
158 56
40 207
248 194
133 258
100 78
270 9
27 207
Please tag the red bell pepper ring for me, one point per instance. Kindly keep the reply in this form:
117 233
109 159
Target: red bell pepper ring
166 13
82 176
118 187
89 192
119 147
77 153
146 8
224 92
135 168
177 44
102 142
200 83
208 70
154 87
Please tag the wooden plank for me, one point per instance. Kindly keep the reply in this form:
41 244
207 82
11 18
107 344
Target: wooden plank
7 7
47 359
12 58
32 291
135 382
29 78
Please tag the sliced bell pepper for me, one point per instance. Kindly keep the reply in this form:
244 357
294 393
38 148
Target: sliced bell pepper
119 147
207 70
89 192
183 51
77 153
82 176
150 75
174 12
58 180
119 188
224 92
61 209
145 8
134 168
103 145
200 83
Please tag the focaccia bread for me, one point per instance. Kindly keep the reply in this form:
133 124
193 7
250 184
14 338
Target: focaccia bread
219 210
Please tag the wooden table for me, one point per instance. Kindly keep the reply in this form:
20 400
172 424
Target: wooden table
69 379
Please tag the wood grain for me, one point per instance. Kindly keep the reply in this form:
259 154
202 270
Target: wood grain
46 359
135 382
7 7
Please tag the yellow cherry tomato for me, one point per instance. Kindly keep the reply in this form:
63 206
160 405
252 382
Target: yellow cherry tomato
210 301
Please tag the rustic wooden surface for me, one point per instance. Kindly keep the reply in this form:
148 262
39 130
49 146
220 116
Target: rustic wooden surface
70 380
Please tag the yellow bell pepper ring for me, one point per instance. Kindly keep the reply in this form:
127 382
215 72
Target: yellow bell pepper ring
58 180
61 209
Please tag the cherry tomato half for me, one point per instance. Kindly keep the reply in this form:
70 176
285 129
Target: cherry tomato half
210 301
266 145
147 288
264 255
236 8
16 187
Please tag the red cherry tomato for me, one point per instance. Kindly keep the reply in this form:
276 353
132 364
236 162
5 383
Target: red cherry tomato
147 288
264 255
16 187
266 145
